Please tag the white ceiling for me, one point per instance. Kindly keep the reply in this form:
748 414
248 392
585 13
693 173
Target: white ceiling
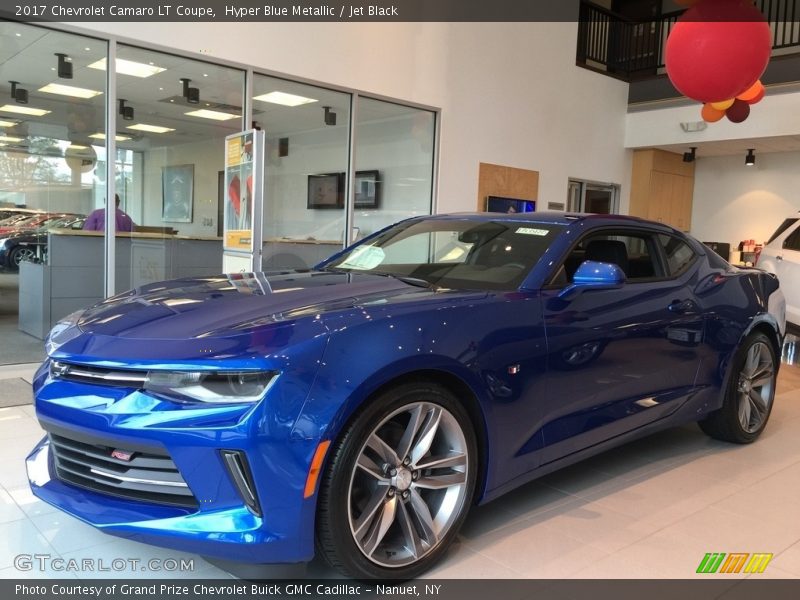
784 143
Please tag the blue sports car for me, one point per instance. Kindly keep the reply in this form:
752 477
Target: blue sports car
361 407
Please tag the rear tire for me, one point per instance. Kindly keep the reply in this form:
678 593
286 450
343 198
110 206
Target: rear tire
749 395
398 484
19 254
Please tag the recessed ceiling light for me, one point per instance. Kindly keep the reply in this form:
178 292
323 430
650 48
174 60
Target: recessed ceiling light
7 138
160 89
52 68
205 74
129 67
150 128
68 90
102 136
87 49
211 114
284 99
18 34
7 123
23 110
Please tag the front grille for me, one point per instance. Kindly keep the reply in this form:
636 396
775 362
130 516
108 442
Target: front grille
98 375
148 475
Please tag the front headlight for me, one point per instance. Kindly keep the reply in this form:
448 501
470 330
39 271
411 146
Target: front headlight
213 387
62 332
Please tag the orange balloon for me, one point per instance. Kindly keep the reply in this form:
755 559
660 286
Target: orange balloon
711 114
723 105
757 99
751 92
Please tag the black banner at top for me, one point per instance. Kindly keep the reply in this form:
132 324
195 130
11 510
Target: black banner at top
290 10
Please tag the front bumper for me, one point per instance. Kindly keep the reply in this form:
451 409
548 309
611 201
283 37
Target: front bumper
220 525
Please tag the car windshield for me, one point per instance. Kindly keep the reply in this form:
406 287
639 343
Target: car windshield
454 253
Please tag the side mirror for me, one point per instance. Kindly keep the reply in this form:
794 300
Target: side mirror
593 275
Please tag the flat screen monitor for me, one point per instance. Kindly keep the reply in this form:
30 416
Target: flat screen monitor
498 204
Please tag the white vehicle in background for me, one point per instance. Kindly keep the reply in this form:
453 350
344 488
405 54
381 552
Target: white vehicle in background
781 256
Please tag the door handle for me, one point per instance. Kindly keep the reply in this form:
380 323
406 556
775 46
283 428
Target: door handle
681 306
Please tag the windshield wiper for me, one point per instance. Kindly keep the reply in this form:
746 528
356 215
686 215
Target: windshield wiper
415 281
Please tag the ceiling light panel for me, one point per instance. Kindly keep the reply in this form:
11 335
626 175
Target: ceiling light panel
7 123
284 99
150 128
24 110
68 90
129 67
212 114
6 138
102 136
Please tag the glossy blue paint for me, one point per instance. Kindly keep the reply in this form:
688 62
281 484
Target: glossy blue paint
591 370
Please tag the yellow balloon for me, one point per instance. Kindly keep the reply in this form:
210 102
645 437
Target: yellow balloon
724 105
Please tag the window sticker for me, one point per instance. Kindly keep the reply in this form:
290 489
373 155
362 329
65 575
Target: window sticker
364 258
532 231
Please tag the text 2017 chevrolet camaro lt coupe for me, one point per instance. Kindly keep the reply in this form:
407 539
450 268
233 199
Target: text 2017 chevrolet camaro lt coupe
362 406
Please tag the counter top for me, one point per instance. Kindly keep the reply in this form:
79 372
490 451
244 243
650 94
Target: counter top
133 235
287 240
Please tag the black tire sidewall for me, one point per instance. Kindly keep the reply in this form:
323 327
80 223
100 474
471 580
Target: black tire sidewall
334 489
731 406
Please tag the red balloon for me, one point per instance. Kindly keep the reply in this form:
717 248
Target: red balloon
718 50
738 112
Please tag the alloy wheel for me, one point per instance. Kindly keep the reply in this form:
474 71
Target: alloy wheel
409 484
756 387
23 254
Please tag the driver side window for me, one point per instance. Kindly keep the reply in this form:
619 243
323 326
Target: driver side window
634 253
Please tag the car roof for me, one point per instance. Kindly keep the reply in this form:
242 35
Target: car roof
555 218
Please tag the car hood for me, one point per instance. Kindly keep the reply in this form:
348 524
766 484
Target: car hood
230 305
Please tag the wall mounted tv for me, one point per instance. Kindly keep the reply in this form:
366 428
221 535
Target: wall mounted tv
498 204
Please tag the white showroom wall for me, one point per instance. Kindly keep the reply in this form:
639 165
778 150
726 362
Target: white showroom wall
776 115
733 202
510 92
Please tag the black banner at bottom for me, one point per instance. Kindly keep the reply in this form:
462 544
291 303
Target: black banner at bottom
727 588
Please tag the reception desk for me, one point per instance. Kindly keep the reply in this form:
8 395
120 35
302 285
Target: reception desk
72 278
287 253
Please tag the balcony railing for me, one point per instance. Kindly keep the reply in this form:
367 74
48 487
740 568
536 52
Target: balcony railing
631 49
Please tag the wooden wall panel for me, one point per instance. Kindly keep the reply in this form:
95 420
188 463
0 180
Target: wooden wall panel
509 182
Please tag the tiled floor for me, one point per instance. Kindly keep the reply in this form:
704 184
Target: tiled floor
650 509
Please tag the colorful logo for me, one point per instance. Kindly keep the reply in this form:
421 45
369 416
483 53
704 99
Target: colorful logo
719 562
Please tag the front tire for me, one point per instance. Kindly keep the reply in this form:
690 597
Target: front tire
749 395
398 484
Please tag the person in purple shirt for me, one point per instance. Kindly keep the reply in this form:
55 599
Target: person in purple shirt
96 221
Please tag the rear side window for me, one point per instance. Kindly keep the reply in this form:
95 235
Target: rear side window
783 227
793 241
678 253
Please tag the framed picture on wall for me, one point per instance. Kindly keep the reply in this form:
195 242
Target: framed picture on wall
367 187
326 191
177 193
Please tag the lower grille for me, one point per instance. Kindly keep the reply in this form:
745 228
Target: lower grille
147 475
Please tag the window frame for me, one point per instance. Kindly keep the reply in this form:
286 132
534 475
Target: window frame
659 257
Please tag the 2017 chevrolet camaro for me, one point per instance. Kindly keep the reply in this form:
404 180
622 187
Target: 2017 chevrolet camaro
362 406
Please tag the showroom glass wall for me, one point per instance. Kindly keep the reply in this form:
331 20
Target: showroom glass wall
52 162
338 166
